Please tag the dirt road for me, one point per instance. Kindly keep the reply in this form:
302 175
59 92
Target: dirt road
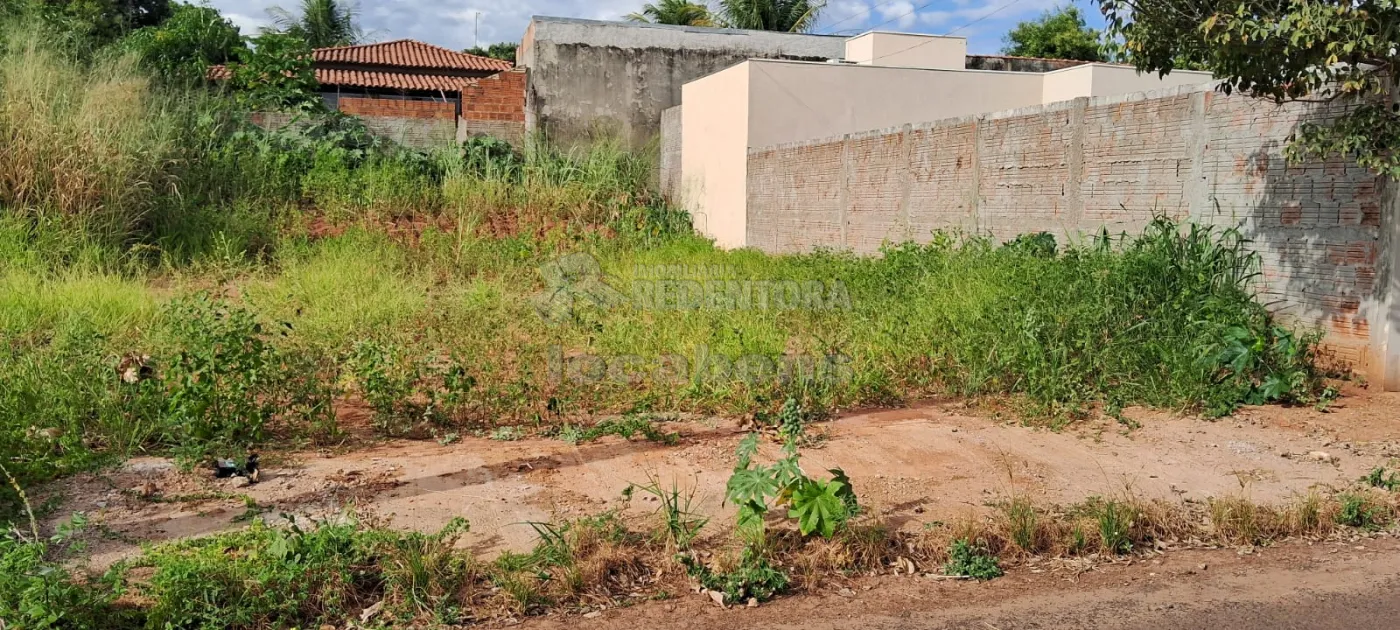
1353 585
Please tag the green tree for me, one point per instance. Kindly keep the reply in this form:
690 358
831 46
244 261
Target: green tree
101 22
321 23
1341 53
275 75
679 12
184 46
1058 34
505 51
793 16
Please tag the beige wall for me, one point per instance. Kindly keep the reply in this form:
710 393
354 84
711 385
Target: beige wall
714 153
796 101
1100 79
907 50
764 103
1068 84
1112 80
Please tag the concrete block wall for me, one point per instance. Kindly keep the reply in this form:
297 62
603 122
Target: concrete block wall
591 77
669 154
1076 168
420 133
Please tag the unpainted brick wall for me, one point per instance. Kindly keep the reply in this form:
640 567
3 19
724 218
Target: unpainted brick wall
1079 167
398 108
495 106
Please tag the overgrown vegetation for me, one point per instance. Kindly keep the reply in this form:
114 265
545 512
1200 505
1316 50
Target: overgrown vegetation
175 279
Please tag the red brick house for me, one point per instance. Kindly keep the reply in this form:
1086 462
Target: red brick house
421 94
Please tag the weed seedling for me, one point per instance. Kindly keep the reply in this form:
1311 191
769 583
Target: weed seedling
972 561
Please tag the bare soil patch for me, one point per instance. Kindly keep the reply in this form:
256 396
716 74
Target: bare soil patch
910 466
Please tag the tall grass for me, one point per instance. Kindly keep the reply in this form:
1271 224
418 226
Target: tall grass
87 148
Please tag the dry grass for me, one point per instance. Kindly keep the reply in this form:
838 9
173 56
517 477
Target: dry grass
84 146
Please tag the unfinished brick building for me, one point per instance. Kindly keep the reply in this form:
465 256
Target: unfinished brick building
419 94
422 94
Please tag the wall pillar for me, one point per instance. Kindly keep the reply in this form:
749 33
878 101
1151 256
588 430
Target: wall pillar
1074 161
843 185
906 180
1385 314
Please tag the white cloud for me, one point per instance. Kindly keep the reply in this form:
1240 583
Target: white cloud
898 14
451 23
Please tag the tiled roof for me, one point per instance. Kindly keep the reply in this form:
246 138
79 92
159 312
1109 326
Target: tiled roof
393 80
408 53
363 78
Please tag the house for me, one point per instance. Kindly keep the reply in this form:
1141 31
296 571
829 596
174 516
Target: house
420 94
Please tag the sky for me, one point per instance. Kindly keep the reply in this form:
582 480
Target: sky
455 23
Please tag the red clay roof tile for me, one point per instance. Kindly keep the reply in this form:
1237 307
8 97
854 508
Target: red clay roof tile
409 53
394 80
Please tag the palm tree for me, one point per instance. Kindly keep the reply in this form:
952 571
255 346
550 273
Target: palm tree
322 23
793 16
680 12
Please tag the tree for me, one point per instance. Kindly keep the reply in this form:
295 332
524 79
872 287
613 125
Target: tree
183 47
505 51
104 21
322 23
1058 34
1337 52
793 16
275 75
679 12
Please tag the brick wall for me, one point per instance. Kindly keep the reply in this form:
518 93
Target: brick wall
398 108
1109 163
495 107
499 97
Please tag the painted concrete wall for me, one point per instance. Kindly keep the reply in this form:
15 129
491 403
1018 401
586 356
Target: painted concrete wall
715 130
1322 228
908 50
589 77
792 101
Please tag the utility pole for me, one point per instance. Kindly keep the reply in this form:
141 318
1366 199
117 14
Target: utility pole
476 31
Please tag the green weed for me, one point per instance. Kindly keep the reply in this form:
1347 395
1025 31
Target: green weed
753 577
1378 478
972 561
1358 510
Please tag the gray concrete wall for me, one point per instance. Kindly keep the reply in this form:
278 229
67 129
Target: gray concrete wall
589 77
669 155
1074 168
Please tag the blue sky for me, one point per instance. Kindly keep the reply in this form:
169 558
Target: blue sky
451 23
